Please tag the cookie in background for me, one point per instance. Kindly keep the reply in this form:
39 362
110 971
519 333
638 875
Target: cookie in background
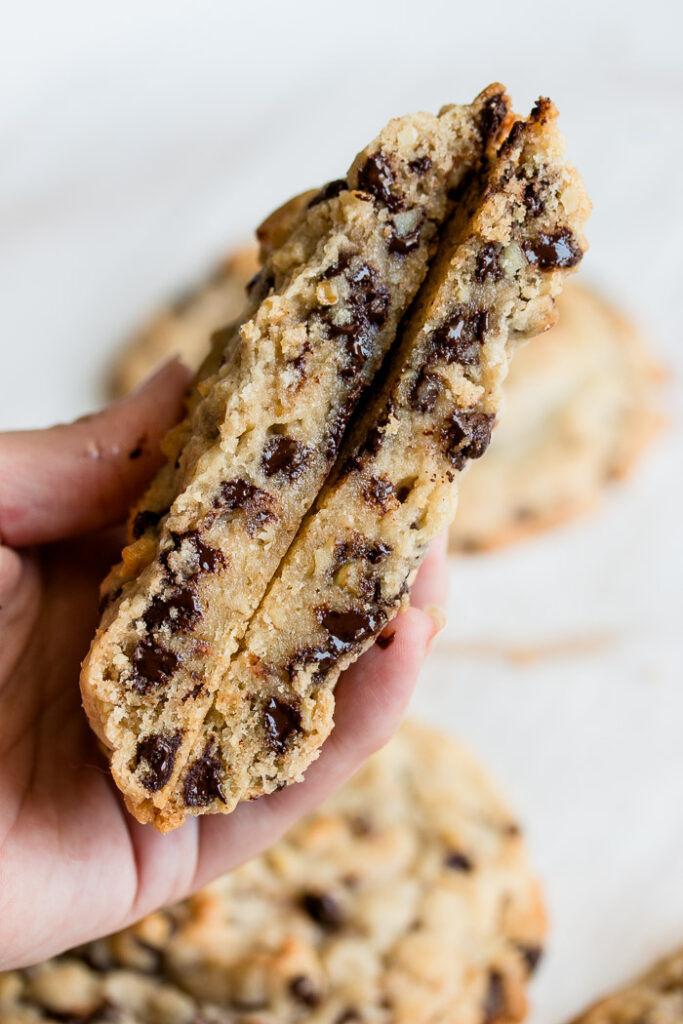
405 899
654 998
581 405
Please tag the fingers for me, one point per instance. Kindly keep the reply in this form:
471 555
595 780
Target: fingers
79 476
371 701
430 588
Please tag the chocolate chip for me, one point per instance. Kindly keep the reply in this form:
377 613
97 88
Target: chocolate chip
379 491
143 521
257 289
359 547
153 666
385 640
366 310
304 991
401 245
329 191
335 432
136 452
466 436
488 262
348 629
458 339
203 780
549 251
421 164
513 139
205 559
256 503
281 720
309 655
492 116
458 861
194 692
533 200
531 955
324 910
495 1003
377 177
159 753
179 611
284 457
425 391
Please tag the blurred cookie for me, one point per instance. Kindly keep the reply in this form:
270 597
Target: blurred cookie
655 998
581 404
406 899
183 328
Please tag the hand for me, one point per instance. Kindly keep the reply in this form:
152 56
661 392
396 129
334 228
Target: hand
73 863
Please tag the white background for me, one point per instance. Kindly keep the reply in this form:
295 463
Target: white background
140 140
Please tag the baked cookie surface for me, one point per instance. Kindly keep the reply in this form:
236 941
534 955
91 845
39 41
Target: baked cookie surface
580 407
654 998
405 899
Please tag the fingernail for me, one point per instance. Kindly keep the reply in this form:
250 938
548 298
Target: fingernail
438 617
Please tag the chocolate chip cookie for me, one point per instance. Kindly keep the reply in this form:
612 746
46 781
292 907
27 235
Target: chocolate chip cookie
516 235
580 406
406 899
655 998
265 422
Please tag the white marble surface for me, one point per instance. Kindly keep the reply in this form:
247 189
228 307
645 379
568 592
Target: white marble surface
141 140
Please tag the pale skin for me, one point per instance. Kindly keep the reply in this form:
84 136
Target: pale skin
74 864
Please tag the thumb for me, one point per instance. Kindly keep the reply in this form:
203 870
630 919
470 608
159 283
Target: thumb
76 477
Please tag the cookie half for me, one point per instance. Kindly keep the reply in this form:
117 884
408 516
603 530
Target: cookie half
406 899
581 404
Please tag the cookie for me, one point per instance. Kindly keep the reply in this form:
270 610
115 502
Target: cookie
580 406
183 328
405 899
264 426
655 998
504 256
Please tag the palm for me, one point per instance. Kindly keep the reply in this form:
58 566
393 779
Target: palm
73 863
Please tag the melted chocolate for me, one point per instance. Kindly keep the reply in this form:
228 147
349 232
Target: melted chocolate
284 457
207 559
425 391
379 491
348 629
153 666
458 340
143 521
376 177
533 200
492 116
159 754
281 720
488 262
385 640
549 251
401 245
359 547
367 308
329 191
472 428
203 781
180 610
256 503
421 164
